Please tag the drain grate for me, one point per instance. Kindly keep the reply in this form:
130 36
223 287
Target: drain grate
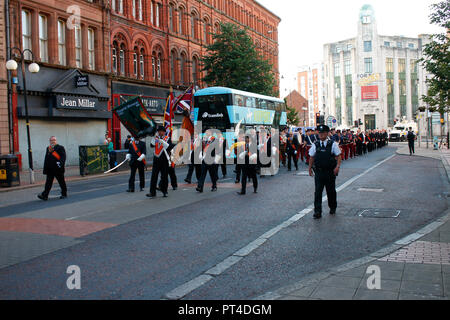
379 213
303 173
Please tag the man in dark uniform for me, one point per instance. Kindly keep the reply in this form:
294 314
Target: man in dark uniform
163 145
55 160
250 154
324 164
208 151
136 155
292 148
411 137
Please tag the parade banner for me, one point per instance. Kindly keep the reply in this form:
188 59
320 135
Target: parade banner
133 115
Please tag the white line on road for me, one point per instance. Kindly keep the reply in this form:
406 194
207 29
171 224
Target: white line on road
186 288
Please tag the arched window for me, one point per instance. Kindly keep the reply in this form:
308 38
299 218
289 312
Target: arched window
172 18
142 64
181 21
119 55
194 27
173 66
122 59
183 68
195 70
205 30
157 58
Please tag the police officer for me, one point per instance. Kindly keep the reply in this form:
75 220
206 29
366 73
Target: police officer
411 137
324 164
136 155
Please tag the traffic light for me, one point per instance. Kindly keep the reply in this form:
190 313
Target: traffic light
317 118
360 122
356 123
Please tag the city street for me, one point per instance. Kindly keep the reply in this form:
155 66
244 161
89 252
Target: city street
214 245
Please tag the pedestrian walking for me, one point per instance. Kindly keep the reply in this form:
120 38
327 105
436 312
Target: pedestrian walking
411 137
54 167
324 164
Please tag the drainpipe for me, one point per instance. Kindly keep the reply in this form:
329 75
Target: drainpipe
8 56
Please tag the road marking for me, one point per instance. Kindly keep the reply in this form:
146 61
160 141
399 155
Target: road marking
228 262
370 190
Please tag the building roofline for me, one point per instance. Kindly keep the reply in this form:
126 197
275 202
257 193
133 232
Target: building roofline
259 4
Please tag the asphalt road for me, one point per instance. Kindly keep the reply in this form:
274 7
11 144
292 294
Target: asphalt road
160 245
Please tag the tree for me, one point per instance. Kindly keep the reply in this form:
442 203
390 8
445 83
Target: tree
292 115
436 60
232 61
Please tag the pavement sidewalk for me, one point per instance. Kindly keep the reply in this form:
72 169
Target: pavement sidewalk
416 267
72 174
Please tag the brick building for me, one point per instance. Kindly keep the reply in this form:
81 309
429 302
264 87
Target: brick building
299 103
156 44
125 48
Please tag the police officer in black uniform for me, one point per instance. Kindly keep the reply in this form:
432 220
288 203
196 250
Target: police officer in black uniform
324 164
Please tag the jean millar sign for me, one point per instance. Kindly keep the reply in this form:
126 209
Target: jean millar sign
78 103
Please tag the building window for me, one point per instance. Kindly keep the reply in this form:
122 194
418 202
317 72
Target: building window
401 65
337 69
114 60
158 12
390 86
399 45
195 75
367 46
152 18
62 42
411 45
153 68
113 5
133 8
349 47
387 44
120 6
171 18
78 47
141 64
135 65
140 10
43 39
182 67
368 68
389 65
181 21
122 61
193 25
91 48
26 33
413 64
158 67
348 67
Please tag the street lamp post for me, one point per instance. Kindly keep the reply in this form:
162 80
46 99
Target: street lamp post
33 68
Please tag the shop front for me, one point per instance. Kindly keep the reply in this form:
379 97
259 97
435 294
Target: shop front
67 104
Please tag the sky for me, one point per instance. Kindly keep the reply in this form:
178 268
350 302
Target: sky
306 25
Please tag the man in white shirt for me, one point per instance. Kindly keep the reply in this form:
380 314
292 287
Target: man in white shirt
324 163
